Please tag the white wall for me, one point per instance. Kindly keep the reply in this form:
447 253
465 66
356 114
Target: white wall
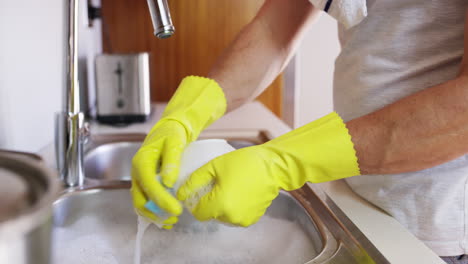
31 70
315 65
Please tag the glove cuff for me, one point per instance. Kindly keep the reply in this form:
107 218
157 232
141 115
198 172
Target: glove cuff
196 104
317 152
338 156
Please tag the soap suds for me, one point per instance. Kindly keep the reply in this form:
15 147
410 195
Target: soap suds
89 240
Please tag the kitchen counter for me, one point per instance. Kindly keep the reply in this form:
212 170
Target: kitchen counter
395 243
259 117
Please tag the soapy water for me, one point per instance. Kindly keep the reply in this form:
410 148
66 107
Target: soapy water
90 240
106 231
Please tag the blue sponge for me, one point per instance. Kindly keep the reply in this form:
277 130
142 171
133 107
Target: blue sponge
154 208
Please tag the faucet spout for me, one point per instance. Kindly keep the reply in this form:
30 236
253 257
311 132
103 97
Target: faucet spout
161 18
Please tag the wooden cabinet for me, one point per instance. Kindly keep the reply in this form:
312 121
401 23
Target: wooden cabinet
203 29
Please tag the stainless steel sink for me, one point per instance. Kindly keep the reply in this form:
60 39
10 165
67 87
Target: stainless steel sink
305 215
107 156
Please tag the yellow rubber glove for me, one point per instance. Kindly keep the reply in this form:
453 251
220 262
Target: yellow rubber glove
197 103
246 181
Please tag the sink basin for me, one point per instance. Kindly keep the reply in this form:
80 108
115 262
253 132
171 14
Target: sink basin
108 157
100 223
96 224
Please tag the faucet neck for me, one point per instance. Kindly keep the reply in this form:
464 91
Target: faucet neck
70 131
72 87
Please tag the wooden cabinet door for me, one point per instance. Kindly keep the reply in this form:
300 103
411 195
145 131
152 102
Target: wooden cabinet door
203 29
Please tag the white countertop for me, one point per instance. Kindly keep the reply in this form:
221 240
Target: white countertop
258 117
388 236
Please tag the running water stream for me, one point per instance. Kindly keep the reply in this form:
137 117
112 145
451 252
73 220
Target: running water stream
141 228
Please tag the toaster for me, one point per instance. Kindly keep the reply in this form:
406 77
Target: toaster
122 88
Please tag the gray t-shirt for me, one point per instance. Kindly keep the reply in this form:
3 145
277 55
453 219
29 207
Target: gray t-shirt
401 47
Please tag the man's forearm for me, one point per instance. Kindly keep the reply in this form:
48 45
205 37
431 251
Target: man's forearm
417 132
261 50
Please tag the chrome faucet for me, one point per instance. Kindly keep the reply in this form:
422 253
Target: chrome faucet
70 127
161 17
